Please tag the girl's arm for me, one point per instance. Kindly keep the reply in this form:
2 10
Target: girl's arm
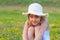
25 32
40 30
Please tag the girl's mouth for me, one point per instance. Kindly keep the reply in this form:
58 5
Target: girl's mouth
34 23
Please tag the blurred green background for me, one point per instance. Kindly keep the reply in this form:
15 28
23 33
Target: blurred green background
27 2
12 20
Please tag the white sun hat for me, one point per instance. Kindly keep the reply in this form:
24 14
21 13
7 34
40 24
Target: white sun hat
35 9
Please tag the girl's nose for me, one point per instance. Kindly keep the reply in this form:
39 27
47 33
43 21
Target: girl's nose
33 19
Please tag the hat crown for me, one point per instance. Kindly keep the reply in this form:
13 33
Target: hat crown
35 8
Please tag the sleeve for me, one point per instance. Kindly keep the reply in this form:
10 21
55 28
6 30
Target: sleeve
46 35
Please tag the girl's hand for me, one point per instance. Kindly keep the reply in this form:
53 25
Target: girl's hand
26 24
25 31
45 25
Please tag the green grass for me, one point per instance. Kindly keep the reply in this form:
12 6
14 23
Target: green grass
55 25
11 25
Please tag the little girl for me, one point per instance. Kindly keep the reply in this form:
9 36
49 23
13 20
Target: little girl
36 26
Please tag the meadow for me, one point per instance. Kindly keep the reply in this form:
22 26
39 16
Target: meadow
11 24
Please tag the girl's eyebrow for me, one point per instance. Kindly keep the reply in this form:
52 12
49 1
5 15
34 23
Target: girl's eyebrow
37 16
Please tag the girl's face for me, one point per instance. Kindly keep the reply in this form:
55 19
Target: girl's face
34 19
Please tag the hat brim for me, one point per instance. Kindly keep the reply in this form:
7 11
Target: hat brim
44 14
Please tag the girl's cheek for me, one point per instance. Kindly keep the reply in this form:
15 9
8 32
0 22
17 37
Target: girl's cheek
30 19
38 19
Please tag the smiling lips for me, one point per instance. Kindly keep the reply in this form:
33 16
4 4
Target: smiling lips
34 22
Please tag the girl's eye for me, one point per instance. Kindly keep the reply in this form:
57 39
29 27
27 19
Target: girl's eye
36 16
31 16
